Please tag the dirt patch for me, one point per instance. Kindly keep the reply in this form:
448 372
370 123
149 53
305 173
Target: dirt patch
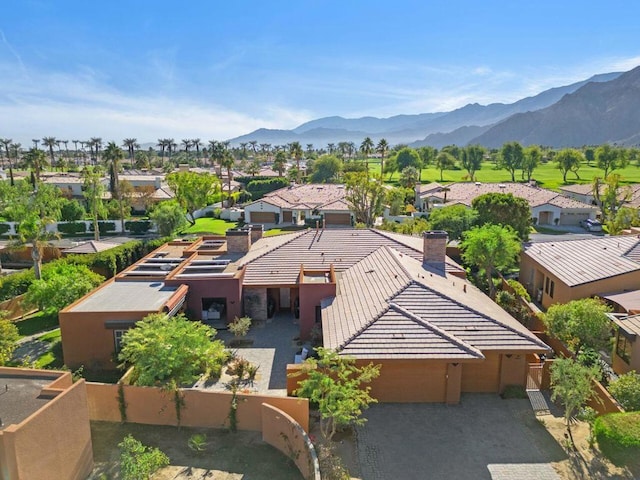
583 462
228 456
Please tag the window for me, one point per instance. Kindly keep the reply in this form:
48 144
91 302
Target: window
551 287
117 338
546 285
623 348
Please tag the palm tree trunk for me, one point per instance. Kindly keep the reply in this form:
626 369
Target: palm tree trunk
37 260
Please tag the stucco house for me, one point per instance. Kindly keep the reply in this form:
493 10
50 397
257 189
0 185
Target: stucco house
630 194
547 207
294 204
558 272
375 295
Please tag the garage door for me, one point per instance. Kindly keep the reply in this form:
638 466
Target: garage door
263 217
572 218
337 218
410 381
287 217
482 376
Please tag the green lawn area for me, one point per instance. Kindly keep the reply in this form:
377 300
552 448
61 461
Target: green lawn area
279 231
547 175
37 323
52 358
210 225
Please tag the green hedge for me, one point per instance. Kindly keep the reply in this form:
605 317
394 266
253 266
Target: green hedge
106 263
72 228
138 227
104 226
618 436
259 188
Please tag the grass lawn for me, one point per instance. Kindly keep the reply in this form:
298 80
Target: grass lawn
210 225
547 175
37 323
280 231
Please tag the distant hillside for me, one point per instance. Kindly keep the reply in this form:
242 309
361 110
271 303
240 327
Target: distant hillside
411 128
460 136
595 113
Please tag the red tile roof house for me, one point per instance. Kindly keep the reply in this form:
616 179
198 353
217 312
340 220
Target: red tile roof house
295 204
547 207
391 298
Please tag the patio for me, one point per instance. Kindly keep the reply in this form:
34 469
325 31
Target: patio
273 346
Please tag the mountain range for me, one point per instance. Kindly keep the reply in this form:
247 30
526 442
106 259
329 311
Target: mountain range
603 108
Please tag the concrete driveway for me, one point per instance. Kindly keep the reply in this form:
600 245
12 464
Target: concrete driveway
484 437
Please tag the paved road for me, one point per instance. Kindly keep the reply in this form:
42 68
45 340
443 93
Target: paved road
483 438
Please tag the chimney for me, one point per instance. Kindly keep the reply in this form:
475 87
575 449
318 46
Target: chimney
238 240
434 248
256 232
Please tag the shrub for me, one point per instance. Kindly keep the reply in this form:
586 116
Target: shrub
626 390
618 435
514 391
138 461
139 227
104 227
72 211
72 228
259 188
519 289
240 326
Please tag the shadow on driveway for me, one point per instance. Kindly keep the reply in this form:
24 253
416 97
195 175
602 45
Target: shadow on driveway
436 441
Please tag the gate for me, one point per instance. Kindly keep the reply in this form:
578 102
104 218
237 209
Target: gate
534 376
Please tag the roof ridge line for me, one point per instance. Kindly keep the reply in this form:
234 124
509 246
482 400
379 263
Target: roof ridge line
483 315
384 234
295 237
443 333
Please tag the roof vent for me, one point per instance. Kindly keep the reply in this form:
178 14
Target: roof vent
478 184
502 185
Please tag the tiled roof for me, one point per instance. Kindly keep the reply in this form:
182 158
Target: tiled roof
389 306
630 301
465 192
320 249
580 188
582 261
91 247
305 196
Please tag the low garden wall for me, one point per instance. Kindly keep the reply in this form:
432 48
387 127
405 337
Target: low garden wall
283 421
14 308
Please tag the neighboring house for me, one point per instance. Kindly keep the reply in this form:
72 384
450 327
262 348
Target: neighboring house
558 272
71 185
630 194
547 207
449 337
44 426
626 354
89 247
297 203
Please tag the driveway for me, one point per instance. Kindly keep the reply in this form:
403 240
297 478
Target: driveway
484 437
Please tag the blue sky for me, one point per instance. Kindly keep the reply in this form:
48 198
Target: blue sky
218 69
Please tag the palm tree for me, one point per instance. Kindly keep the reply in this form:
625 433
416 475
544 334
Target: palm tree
295 150
6 142
254 147
97 144
36 159
196 143
35 143
227 161
243 147
382 149
366 147
75 146
331 147
162 143
131 143
309 149
113 155
187 145
50 142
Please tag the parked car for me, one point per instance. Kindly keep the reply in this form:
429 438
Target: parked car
591 225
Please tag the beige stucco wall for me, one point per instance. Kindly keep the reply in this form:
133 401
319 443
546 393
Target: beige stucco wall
55 441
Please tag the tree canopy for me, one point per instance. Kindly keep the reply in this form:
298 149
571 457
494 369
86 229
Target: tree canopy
490 248
168 217
171 350
193 190
339 387
504 209
8 338
453 219
569 160
408 157
444 161
365 197
471 159
61 285
510 158
610 158
579 323
326 169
